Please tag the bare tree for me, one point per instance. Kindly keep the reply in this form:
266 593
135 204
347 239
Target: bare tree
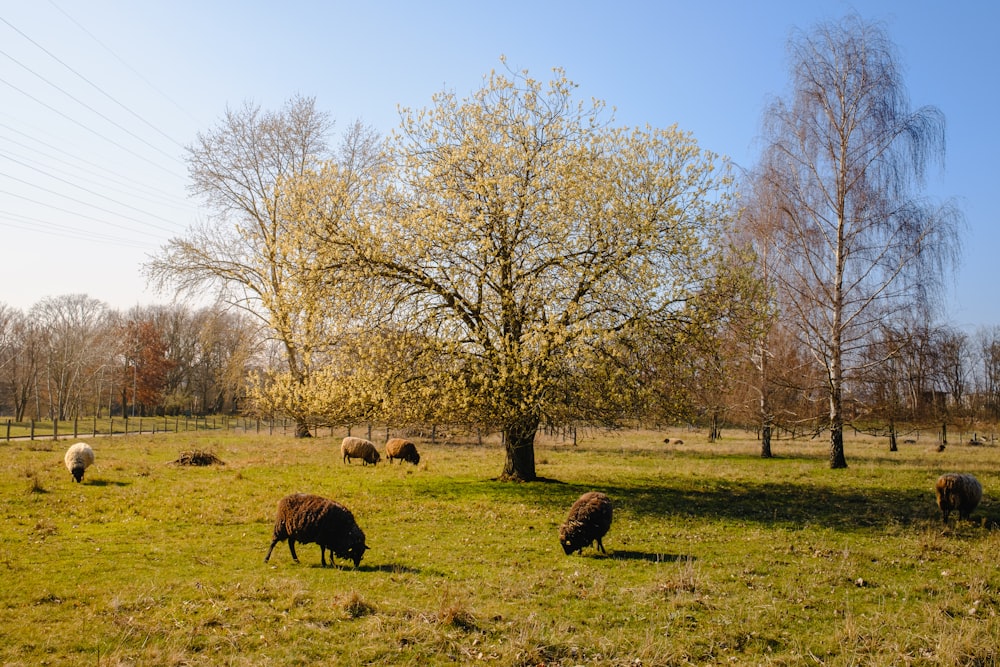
954 356
988 382
75 332
847 155
244 249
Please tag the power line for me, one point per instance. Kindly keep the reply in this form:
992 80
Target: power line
123 62
93 85
85 127
12 220
118 178
77 213
87 106
87 190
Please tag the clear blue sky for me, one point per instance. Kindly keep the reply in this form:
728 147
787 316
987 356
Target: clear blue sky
97 99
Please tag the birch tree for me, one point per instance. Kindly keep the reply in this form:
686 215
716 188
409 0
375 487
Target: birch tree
856 243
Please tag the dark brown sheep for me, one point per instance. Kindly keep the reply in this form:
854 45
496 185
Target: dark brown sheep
958 491
305 518
401 449
359 448
588 521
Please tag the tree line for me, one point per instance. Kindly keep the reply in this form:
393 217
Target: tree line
514 259
72 356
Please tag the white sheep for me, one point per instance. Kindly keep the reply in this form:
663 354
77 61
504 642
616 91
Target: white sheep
359 448
78 458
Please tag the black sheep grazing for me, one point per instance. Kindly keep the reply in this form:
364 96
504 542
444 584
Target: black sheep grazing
307 518
958 491
588 521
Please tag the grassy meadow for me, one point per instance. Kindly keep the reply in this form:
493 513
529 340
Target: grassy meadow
715 556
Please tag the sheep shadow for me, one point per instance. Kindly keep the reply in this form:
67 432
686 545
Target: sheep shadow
391 568
104 482
387 568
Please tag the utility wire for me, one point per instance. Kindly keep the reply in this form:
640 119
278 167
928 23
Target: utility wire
87 190
78 201
120 179
89 129
92 84
87 106
18 221
124 63
73 171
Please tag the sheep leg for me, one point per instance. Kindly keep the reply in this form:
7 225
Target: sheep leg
270 549
291 547
322 557
600 546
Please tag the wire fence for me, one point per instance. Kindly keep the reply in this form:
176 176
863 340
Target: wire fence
115 426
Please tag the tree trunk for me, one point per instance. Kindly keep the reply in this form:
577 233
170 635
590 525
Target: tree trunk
765 442
837 459
519 441
893 447
302 430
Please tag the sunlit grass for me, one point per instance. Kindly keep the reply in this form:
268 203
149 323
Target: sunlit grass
715 556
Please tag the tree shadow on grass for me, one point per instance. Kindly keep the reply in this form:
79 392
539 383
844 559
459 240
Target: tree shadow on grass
765 503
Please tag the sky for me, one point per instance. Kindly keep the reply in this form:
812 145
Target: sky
98 100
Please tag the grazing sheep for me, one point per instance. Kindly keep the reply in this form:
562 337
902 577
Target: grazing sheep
401 449
359 448
588 521
307 518
673 441
958 491
78 458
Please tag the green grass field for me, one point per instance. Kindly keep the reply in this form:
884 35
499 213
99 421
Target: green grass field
715 556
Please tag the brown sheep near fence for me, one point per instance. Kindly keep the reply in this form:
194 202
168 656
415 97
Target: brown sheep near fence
359 448
404 450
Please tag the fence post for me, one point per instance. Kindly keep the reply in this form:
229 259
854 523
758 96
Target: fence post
76 427
55 429
32 436
8 429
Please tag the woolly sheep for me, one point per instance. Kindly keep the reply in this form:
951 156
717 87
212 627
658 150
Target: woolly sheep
588 521
401 449
958 491
78 458
359 448
308 518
